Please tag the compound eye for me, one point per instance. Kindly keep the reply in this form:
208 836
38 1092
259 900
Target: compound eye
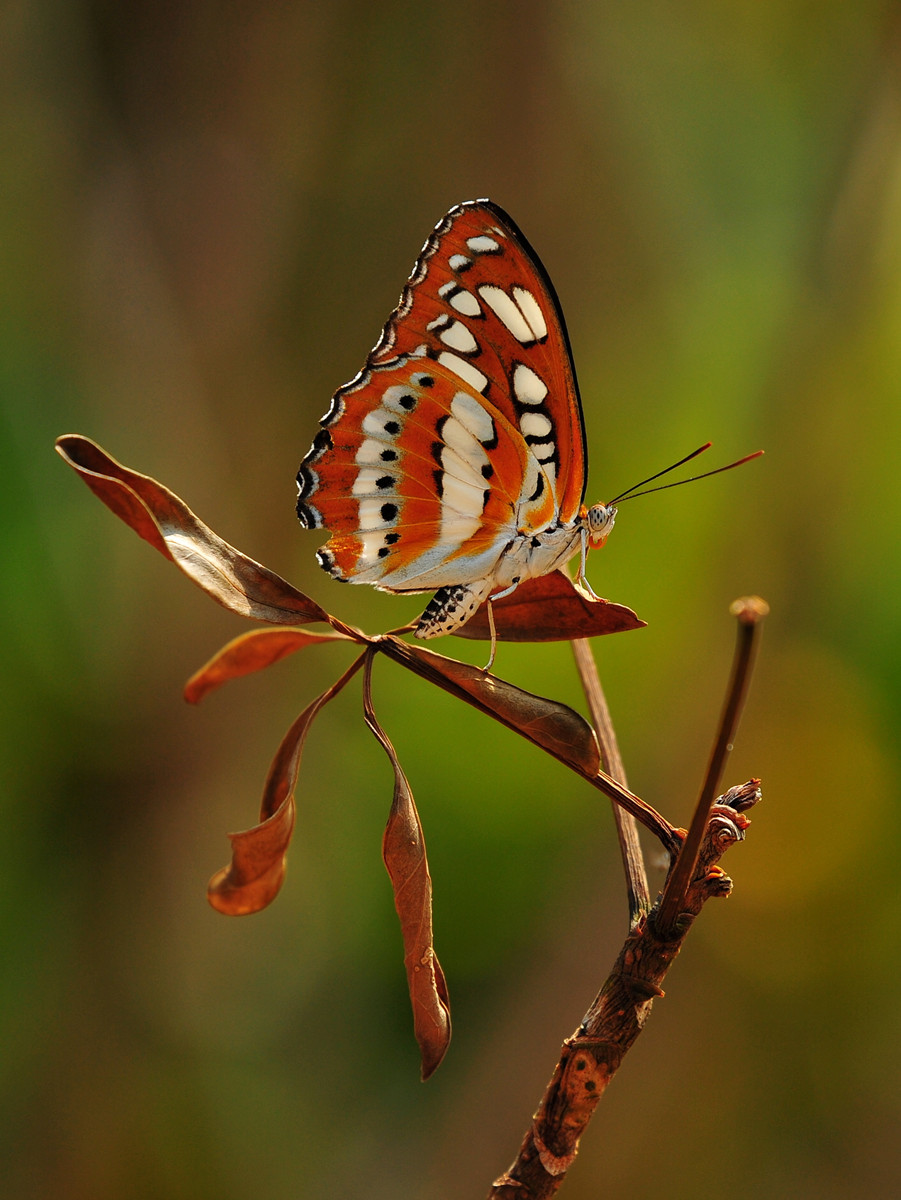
598 516
600 522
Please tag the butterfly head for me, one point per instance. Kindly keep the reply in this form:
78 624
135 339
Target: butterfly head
599 521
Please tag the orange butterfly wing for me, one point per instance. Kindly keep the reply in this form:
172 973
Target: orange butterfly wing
480 302
420 480
464 429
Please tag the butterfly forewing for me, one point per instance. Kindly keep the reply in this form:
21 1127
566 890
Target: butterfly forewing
480 303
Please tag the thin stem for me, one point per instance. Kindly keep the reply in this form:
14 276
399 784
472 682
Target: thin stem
667 835
750 611
626 827
408 628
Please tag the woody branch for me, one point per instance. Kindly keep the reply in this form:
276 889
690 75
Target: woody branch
591 1056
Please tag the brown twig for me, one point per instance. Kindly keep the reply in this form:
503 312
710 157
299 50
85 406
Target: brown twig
626 826
750 611
591 1056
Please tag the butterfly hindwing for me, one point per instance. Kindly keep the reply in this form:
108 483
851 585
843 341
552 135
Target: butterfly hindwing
422 482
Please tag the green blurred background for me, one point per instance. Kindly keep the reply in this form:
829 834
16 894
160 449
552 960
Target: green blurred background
207 211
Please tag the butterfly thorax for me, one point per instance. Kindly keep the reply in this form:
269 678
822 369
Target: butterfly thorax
527 555
531 555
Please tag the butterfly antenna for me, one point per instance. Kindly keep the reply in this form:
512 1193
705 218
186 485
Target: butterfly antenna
631 493
665 471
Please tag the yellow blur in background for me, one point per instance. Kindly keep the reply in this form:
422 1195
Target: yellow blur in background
207 212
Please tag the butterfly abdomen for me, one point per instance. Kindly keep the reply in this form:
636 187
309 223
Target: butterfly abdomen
451 607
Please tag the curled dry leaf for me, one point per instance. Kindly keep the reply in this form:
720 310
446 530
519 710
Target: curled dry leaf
553 726
550 609
257 869
403 849
162 519
248 653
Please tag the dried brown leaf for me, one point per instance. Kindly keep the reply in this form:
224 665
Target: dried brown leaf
553 726
162 519
403 849
550 609
257 869
248 653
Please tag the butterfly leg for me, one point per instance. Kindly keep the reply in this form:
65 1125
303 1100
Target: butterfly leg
491 626
581 581
490 663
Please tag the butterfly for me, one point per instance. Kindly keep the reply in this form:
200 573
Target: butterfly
455 461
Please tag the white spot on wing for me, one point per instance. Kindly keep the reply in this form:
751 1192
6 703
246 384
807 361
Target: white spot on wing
374 423
463 498
467 372
527 386
468 468
473 416
482 244
458 337
365 484
370 453
461 510
371 515
459 262
532 311
543 450
535 424
440 321
465 302
507 312
372 543
455 434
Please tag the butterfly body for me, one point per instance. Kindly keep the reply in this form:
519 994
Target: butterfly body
455 460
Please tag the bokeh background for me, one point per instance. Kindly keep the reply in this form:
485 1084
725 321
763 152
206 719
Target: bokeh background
207 211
